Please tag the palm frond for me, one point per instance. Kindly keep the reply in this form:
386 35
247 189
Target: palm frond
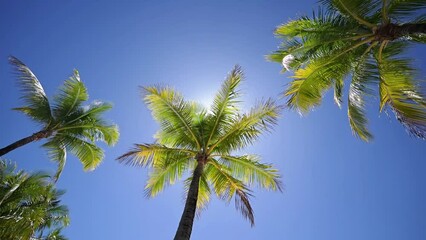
87 121
166 171
247 128
405 8
37 105
364 75
70 97
323 26
306 91
226 187
397 89
418 37
249 170
88 153
55 235
338 89
91 111
225 103
58 154
102 131
360 10
286 47
30 204
151 154
312 38
174 114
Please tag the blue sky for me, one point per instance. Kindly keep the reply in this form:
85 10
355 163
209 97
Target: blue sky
336 187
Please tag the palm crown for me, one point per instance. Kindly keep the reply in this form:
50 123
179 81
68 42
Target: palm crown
66 123
363 39
29 206
192 138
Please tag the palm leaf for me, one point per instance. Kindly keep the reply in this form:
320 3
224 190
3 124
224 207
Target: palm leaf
363 76
150 154
58 154
87 121
226 187
30 204
247 128
174 114
323 26
250 170
338 89
166 171
306 91
360 10
88 153
224 104
405 8
72 94
38 107
397 89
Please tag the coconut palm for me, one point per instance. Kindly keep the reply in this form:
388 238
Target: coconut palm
65 123
29 206
364 40
202 141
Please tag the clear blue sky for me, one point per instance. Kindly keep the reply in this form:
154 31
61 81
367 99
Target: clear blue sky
336 187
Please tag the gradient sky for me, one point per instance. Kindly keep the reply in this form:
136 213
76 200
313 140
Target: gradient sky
336 186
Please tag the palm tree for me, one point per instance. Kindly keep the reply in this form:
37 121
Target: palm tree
29 206
66 123
202 141
364 40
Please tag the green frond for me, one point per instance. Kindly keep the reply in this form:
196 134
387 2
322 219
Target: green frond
405 8
338 89
55 235
70 97
225 103
153 154
286 47
364 75
249 170
166 171
419 38
174 115
87 121
204 192
29 204
226 187
101 131
84 113
58 154
37 105
306 91
398 90
322 26
247 128
359 10
88 153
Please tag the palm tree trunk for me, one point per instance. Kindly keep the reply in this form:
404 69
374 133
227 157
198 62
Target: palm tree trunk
410 28
185 225
35 137
393 31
